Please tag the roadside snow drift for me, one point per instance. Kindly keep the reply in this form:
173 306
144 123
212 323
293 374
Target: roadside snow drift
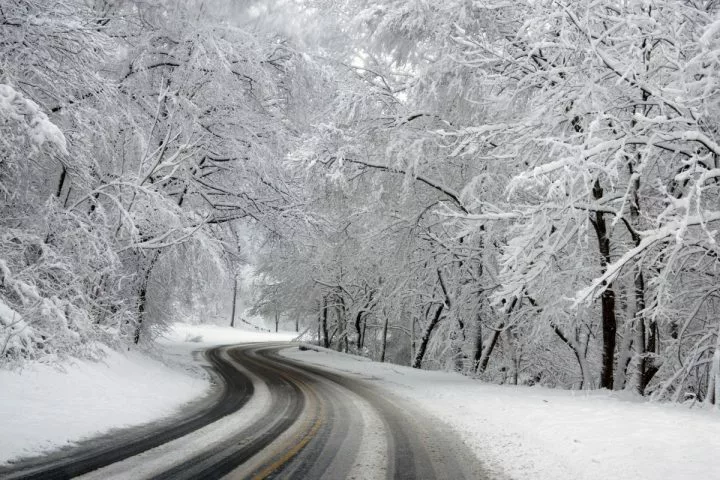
43 408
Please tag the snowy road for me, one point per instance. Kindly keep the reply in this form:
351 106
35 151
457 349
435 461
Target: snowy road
276 418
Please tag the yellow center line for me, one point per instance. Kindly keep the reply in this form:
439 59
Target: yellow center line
306 437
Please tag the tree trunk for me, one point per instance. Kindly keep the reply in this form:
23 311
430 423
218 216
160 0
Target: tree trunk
413 320
384 337
61 182
142 297
622 376
648 333
514 356
609 322
323 323
459 354
713 393
488 349
587 382
364 332
477 347
232 315
358 330
341 323
422 347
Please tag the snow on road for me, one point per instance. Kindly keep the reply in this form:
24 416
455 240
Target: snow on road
537 433
44 407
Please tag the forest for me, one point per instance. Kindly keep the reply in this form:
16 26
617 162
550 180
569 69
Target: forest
527 192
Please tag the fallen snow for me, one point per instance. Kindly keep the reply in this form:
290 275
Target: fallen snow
43 408
538 433
518 432
210 335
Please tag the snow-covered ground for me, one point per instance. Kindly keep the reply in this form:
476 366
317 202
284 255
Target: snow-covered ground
44 407
210 335
538 433
519 432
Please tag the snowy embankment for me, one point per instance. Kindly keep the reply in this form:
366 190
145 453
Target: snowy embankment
43 407
537 433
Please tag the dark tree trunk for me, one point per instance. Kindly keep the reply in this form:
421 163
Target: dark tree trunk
232 315
427 333
647 340
582 362
649 362
341 323
609 322
460 355
477 347
647 334
358 330
384 338
61 182
142 297
488 349
323 323
364 332
67 196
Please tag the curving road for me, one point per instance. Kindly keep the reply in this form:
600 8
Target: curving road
273 417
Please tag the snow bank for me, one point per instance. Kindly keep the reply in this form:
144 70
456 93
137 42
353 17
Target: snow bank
43 408
538 433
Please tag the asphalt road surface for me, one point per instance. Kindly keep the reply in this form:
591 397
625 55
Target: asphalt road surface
272 417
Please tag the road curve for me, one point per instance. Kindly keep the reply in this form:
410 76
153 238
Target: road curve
279 418
232 391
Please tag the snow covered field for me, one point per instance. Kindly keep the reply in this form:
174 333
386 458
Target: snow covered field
43 408
538 433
